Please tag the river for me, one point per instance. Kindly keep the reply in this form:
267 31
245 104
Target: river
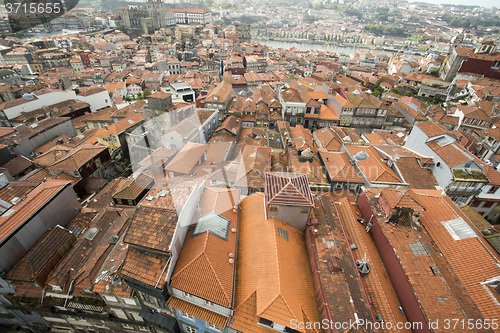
307 46
316 46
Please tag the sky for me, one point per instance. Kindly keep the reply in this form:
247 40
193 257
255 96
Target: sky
482 3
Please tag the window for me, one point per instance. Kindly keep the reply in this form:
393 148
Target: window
283 233
209 303
129 301
146 298
475 203
190 329
187 315
214 327
110 298
487 204
273 209
304 210
493 189
120 313
127 326
187 295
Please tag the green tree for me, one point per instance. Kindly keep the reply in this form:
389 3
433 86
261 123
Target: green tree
122 28
409 93
146 92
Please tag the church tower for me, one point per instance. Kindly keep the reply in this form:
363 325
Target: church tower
457 41
156 11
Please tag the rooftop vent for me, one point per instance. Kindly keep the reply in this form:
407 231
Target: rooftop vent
113 239
15 200
363 267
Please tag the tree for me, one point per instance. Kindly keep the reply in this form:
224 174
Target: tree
409 93
146 92
122 28
395 90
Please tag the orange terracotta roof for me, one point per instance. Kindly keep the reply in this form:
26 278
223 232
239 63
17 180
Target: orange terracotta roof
69 159
339 167
255 161
457 286
375 138
378 285
414 174
29 206
327 139
288 189
159 95
198 312
402 199
17 165
318 95
187 158
152 227
203 268
373 168
303 138
450 154
462 254
432 129
274 279
334 268
158 158
145 267
135 185
326 113
120 126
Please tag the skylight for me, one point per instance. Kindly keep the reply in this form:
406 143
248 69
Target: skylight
459 229
213 223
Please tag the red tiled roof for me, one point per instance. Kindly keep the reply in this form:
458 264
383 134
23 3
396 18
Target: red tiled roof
135 185
288 189
152 227
29 206
186 159
145 267
450 154
203 268
432 129
374 169
339 167
198 312
274 279
17 165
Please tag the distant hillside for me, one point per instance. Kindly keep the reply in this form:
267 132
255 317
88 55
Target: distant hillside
107 5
